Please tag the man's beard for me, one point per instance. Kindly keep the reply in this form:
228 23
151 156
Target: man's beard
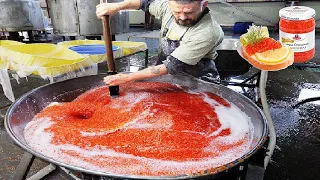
187 22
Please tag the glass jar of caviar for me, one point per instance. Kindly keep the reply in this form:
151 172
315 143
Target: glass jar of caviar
297 30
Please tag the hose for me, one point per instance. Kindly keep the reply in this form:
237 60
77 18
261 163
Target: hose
265 107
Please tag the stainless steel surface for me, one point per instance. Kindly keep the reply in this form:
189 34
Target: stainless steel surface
24 109
78 18
228 60
21 15
64 17
261 12
229 44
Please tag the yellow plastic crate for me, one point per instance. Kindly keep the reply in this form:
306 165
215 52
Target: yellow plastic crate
130 47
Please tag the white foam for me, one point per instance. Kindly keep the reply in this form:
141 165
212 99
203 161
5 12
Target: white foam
54 104
233 118
141 123
230 117
130 98
102 133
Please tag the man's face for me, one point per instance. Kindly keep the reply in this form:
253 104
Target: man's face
186 14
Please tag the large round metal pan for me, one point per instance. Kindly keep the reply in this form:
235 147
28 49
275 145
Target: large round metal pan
24 109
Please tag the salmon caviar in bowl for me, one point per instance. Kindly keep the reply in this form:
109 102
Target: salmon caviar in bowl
297 31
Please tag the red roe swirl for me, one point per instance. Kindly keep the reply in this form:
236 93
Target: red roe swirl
297 30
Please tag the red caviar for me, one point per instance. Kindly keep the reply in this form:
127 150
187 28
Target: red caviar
297 30
150 120
262 45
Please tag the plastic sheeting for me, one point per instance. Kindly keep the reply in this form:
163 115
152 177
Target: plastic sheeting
9 42
6 84
49 61
130 47
42 59
4 76
54 62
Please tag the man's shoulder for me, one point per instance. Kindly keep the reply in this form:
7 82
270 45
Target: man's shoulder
159 8
159 2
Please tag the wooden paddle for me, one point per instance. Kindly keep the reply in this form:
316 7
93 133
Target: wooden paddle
114 90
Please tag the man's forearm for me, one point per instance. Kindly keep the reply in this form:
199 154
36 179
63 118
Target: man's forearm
150 72
129 4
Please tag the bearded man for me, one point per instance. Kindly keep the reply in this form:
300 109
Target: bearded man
188 39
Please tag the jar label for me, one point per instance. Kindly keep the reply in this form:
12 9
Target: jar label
298 42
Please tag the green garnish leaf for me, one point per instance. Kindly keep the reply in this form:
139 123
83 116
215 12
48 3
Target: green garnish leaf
254 34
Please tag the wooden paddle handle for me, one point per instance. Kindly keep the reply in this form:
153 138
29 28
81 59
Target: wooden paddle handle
108 41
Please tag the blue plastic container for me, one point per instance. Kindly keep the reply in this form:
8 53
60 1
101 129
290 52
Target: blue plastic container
92 49
239 28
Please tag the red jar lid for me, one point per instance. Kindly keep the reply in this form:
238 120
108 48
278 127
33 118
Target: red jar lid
297 13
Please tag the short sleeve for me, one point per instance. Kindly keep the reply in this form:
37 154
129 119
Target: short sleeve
159 8
144 4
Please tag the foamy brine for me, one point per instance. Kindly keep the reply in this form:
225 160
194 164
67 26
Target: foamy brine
230 117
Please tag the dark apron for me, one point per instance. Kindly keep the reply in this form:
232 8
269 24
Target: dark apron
205 69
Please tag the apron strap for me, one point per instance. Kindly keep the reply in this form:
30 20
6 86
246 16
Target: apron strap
166 28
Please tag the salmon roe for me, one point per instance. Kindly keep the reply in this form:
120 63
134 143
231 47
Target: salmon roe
152 120
297 30
94 110
262 45
86 114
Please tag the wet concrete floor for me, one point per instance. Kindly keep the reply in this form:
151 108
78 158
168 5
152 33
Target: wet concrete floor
297 155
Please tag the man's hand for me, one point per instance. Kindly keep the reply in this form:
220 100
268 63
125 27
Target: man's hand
112 8
149 72
107 9
116 79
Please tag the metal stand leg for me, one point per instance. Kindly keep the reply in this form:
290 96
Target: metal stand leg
24 166
43 172
70 174
31 37
146 58
244 83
